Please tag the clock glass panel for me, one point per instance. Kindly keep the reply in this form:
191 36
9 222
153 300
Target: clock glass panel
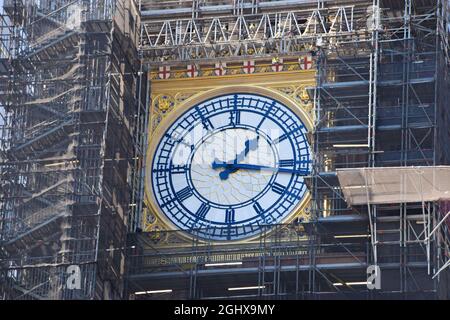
230 166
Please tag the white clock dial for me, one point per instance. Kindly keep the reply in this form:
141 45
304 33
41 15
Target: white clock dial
230 165
242 185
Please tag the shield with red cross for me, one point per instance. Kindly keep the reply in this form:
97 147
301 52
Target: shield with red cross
192 71
249 66
219 69
277 65
164 72
306 62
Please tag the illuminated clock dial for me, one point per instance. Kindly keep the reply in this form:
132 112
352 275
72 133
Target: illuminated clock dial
230 165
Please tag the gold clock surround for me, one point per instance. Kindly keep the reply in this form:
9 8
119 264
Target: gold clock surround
172 97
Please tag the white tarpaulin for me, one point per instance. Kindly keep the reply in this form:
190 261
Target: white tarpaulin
394 184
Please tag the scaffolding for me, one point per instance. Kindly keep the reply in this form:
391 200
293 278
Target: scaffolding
183 31
323 259
73 107
384 107
379 101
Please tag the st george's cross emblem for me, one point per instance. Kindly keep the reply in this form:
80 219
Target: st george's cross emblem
192 71
219 69
306 62
249 66
277 64
164 72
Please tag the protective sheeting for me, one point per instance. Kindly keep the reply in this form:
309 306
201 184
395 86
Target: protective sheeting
394 184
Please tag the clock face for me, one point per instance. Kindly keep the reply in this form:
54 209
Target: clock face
230 165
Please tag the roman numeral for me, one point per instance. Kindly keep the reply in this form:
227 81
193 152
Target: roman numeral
278 188
178 169
286 163
184 194
259 210
266 114
229 216
286 135
174 139
281 138
206 122
202 211
291 163
235 114
235 117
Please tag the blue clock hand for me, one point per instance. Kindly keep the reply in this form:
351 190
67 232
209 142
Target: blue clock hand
245 166
250 145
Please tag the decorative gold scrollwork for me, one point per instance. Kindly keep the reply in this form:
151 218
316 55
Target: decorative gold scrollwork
164 103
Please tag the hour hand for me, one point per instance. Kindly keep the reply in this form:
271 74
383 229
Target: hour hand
229 168
250 145
219 165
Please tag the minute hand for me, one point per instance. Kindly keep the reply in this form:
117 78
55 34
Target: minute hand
245 166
